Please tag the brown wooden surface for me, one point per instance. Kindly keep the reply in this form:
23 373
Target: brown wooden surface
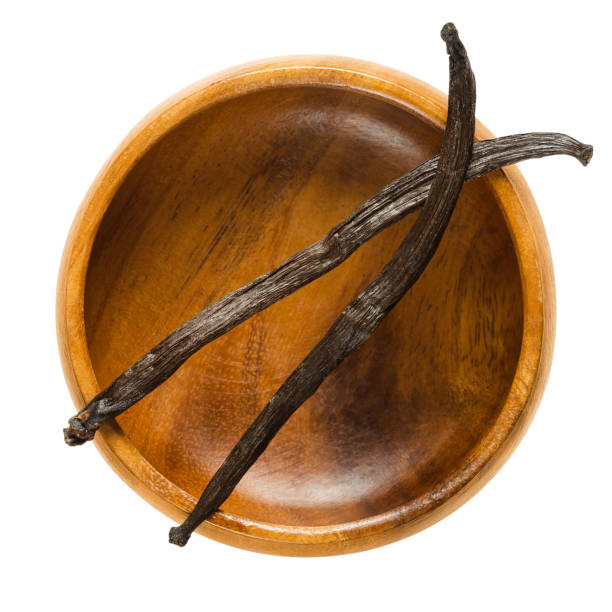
221 184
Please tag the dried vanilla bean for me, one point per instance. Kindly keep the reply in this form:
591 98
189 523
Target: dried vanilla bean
402 196
362 316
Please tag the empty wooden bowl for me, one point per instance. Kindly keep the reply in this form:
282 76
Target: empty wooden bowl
222 183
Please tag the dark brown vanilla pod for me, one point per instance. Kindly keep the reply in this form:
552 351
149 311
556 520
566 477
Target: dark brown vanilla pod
362 316
399 198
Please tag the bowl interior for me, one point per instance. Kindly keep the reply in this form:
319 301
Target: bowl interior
228 195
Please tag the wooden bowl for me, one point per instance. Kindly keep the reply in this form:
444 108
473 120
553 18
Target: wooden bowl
222 183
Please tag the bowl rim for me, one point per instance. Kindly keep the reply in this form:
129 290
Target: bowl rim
528 236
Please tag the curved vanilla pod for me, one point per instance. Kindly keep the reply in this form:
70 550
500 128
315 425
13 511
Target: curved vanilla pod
399 198
362 316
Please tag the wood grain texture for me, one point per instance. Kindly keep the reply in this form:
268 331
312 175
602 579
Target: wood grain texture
222 183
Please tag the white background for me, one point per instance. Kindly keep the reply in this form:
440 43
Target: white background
77 76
